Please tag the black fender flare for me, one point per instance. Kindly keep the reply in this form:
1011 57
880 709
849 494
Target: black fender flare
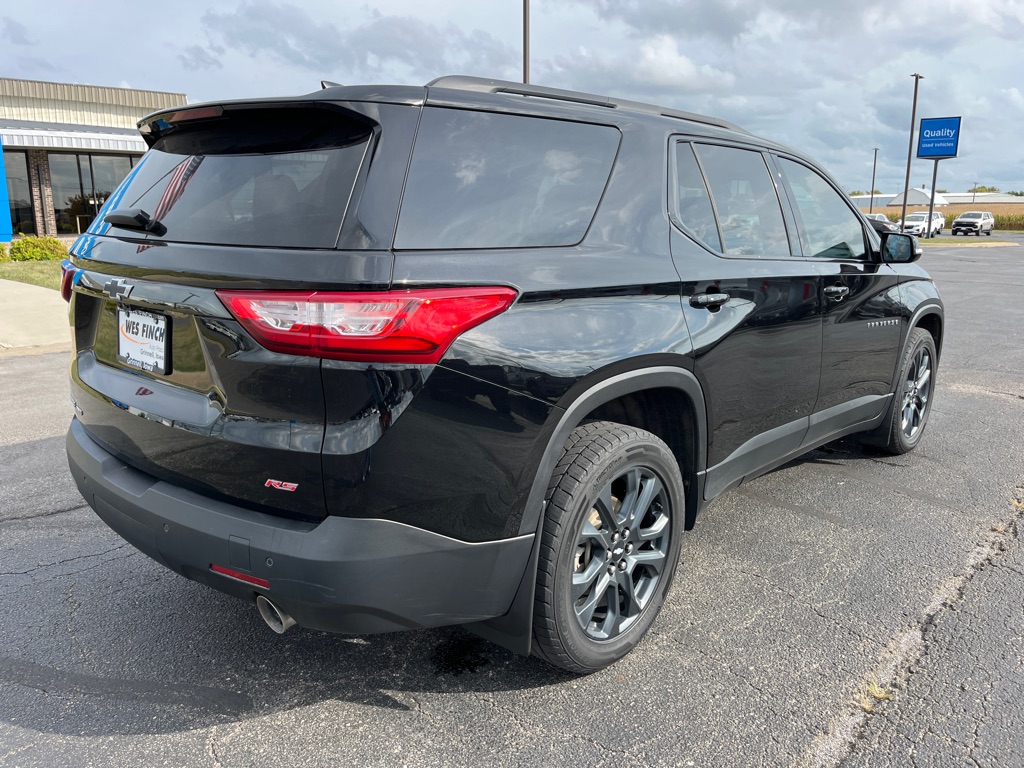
514 630
926 308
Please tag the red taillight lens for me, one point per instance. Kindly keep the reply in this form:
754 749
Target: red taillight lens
415 326
67 279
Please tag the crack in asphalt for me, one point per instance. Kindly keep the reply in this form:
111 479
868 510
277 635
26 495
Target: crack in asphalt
802 599
53 681
1008 394
907 647
39 515
44 566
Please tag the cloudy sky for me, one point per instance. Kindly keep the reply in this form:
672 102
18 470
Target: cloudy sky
830 77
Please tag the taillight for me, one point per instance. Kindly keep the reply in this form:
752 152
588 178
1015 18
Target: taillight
415 326
67 279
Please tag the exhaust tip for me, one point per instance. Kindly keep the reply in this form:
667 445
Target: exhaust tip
276 619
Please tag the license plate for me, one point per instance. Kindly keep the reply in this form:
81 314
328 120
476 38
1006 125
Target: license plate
142 340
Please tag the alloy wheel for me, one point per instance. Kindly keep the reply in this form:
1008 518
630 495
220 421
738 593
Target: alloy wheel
621 551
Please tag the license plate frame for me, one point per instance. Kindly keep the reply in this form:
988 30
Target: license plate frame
143 340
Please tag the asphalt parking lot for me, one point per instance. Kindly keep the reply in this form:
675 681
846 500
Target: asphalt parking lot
847 609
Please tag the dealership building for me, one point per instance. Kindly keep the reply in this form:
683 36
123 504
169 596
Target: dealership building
65 149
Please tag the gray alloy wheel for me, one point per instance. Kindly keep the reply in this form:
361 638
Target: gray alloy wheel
905 421
609 546
916 392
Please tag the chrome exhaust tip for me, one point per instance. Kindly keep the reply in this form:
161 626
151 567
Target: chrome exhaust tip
276 619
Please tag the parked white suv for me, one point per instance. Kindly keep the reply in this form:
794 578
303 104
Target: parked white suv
974 222
918 224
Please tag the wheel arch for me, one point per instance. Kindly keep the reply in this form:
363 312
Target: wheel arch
643 398
930 319
644 395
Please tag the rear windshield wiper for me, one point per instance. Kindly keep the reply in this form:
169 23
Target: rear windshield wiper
135 218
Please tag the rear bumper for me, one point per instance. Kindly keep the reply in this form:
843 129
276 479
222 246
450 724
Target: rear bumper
339 575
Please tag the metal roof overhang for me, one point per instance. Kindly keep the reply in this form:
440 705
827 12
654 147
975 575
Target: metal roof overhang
26 134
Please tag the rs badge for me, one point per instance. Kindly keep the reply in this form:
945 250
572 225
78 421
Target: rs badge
281 485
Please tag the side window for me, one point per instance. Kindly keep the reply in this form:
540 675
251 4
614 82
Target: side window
488 180
830 229
692 206
746 201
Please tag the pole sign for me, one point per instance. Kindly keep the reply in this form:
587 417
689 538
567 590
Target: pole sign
939 138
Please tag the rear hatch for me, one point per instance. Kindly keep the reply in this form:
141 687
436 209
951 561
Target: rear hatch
229 198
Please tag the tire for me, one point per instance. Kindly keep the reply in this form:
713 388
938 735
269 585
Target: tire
609 546
904 423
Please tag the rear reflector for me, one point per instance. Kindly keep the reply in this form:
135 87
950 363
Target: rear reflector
256 581
415 326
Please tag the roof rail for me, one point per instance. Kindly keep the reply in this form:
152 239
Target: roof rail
487 85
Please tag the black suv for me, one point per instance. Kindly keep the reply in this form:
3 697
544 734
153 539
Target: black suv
386 357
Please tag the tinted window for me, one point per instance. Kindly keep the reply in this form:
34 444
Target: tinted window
485 180
68 200
19 193
745 199
829 227
274 178
693 205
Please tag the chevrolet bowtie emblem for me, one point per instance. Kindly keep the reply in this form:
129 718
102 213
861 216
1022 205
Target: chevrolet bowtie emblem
117 288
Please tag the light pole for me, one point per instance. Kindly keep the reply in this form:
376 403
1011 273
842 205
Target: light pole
974 192
526 41
874 167
910 153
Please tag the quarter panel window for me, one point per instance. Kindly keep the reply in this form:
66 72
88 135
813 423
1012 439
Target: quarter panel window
487 180
830 229
746 201
693 204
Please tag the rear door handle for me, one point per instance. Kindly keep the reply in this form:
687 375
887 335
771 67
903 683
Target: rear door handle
837 292
708 300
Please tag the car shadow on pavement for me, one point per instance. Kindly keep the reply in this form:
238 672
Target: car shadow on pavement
174 656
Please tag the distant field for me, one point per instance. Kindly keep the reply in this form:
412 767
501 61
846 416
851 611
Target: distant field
1007 215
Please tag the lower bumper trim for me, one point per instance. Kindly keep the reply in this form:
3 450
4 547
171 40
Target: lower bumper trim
339 575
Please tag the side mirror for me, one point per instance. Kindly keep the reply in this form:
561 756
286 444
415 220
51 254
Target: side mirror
899 248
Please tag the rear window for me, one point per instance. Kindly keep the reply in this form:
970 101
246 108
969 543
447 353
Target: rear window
270 177
486 180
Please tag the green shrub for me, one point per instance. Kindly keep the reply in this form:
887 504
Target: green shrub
38 249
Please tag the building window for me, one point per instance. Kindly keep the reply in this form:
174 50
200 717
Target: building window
81 183
19 193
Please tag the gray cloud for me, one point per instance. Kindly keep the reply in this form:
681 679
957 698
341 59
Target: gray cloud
196 57
831 79
268 30
15 33
655 70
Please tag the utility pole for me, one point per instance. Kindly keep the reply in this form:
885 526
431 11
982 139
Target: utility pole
974 192
874 167
526 41
910 152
